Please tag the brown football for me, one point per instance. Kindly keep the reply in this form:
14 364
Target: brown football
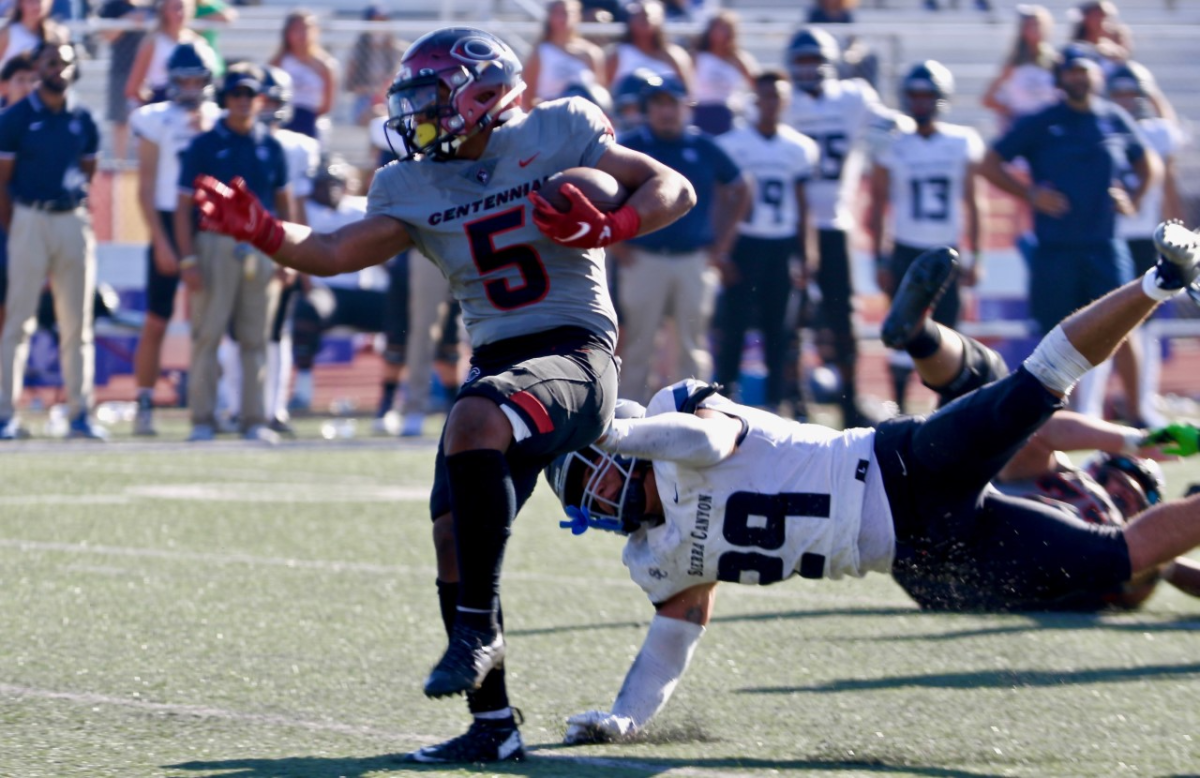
605 192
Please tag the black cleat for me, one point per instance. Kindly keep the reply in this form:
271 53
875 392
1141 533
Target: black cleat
471 656
485 741
927 279
1178 255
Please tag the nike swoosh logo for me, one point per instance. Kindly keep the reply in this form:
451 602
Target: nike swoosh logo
676 492
524 162
584 229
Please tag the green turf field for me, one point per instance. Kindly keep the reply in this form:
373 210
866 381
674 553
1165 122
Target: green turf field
223 610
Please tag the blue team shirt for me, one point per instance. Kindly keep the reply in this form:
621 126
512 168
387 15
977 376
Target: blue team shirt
47 147
1081 155
701 161
223 154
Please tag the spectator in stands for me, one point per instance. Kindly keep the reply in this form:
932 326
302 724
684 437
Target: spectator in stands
758 286
48 153
924 175
561 57
373 64
603 11
230 282
1075 150
724 74
1025 83
982 5
673 272
122 51
29 26
148 80
1132 87
313 73
832 12
645 45
18 78
219 12
163 131
1096 24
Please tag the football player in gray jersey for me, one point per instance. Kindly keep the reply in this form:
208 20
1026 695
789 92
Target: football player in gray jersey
531 283
710 491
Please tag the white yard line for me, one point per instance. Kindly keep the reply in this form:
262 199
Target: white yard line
208 712
334 566
275 720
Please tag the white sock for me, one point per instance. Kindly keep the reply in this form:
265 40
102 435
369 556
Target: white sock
1153 290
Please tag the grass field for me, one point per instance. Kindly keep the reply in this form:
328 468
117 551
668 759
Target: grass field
236 611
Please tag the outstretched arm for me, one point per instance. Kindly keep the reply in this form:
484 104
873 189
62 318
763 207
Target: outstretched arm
233 210
1071 431
670 643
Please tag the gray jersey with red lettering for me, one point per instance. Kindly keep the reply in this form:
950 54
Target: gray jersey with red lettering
473 219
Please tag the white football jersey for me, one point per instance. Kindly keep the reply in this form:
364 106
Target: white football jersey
303 154
1165 137
928 177
789 501
775 165
171 127
837 120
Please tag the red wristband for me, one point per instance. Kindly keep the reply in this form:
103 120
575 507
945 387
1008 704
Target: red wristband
269 237
626 222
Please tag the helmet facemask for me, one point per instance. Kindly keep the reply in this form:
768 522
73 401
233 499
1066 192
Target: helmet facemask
436 112
810 71
579 481
189 90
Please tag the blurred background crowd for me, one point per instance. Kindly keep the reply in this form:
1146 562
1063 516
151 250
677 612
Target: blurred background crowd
667 73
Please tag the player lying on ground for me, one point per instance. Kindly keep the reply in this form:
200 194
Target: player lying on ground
711 491
1120 481
535 302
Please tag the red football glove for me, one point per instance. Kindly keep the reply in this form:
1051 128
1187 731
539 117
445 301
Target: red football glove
234 211
583 226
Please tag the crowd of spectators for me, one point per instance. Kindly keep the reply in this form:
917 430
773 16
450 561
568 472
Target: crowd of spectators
696 105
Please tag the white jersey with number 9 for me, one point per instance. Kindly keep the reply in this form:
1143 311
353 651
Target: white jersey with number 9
790 501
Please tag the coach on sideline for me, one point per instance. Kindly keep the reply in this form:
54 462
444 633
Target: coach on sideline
230 282
48 148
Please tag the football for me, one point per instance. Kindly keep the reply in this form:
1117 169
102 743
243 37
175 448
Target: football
605 192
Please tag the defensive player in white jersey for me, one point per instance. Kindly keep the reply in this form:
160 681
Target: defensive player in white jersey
712 491
164 130
925 177
531 283
837 115
780 162
1132 87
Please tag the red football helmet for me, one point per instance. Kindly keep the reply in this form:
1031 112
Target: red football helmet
452 84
